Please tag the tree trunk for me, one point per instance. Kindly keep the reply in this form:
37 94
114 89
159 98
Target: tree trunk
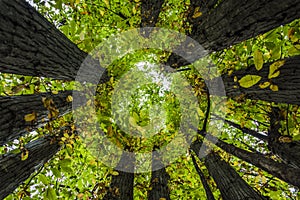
31 45
230 184
121 186
209 194
149 12
13 171
42 108
159 179
232 22
287 150
288 83
280 170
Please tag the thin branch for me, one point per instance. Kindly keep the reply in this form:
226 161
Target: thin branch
243 129
209 194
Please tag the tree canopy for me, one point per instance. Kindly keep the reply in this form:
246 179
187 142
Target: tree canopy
213 113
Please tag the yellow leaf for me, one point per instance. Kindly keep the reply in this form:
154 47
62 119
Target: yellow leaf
132 121
80 195
285 139
102 12
273 72
162 199
24 154
114 173
197 14
291 32
134 10
111 80
249 80
200 112
69 146
258 60
263 179
106 3
235 79
109 131
54 92
30 117
264 85
69 98
89 102
274 88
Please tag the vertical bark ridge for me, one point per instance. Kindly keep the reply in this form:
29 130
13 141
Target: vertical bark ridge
159 179
121 186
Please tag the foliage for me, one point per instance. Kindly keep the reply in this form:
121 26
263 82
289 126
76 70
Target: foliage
74 173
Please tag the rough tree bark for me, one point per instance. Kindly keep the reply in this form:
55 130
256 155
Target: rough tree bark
280 170
288 151
149 12
209 194
232 22
288 83
31 45
13 110
230 184
121 186
13 171
159 179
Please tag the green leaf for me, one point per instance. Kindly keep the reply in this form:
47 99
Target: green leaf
67 169
249 80
273 72
296 137
132 121
293 51
43 179
258 59
50 194
56 172
15 151
135 116
66 162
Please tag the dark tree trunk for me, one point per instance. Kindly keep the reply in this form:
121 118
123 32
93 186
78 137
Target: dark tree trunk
13 171
150 11
288 151
232 22
209 194
230 184
288 83
159 179
121 186
13 110
31 45
280 170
